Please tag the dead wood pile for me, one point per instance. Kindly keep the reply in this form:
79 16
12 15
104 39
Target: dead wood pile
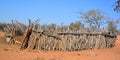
11 31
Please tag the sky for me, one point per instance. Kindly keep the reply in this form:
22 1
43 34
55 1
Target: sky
52 11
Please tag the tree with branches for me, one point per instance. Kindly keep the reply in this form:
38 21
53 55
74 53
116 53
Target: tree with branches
117 6
94 18
112 27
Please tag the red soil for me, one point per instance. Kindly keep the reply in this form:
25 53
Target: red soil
12 52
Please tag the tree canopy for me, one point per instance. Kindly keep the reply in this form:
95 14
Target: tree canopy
94 18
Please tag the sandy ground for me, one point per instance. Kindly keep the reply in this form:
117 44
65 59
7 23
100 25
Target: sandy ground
12 52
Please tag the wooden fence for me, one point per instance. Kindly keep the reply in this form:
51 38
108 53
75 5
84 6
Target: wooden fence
76 41
36 38
72 41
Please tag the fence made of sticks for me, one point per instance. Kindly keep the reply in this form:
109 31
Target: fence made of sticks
84 41
66 41
70 38
76 41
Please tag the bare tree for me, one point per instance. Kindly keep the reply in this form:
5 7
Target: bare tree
94 18
117 6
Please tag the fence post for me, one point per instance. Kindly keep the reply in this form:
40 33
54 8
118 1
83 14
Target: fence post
63 43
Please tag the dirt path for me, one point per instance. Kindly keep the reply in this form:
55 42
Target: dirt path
12 52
